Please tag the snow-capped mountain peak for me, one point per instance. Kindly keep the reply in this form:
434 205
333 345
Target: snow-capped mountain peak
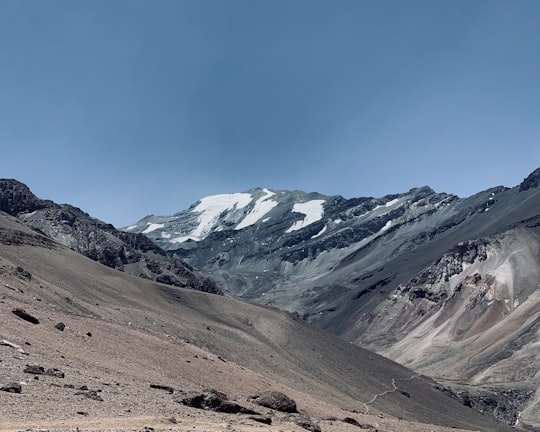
234 211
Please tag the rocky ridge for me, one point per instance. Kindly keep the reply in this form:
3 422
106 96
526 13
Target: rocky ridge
102 242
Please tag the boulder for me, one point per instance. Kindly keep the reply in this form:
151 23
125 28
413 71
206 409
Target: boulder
214 400
275 400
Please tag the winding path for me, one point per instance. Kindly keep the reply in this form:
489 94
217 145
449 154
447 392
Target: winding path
395 387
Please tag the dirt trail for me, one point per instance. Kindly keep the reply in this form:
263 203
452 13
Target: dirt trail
395 387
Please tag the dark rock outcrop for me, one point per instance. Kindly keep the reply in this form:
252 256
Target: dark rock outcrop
275 400
16 197
261 419
12 388
506 406
214 400
531 181
21 313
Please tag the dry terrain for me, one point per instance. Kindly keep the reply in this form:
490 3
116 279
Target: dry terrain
131 350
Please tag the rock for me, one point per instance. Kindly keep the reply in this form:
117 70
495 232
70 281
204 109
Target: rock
40 370
12 388
352 421
355 422
532 181
90 394
261 419
22 273
275 400
55 373
215 401
21 313
16 197
60 326
308 424
162 387
34 369
208 399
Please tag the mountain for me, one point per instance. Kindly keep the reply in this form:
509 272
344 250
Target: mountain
452 279
85 346
129 252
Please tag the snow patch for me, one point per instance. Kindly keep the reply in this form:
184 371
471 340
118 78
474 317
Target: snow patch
152 227
321 232
165 235
386 226
130 227
262 206
312 209
210 208
184 239
392 202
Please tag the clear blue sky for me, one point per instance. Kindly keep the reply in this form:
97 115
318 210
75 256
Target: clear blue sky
126 108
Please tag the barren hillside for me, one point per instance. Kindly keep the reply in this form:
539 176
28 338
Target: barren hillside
132 350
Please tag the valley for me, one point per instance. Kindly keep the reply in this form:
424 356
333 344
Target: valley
445 286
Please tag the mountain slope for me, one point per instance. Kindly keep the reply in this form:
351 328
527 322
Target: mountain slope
122 333
360 266
129 252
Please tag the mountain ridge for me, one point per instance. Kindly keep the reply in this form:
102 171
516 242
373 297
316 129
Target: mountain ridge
346 264
100 241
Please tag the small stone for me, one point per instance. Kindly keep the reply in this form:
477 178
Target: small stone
12 388
21 313
261 419
60 326
162 387
34 369
55 373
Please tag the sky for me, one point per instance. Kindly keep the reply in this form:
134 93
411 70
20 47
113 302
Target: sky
130 108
